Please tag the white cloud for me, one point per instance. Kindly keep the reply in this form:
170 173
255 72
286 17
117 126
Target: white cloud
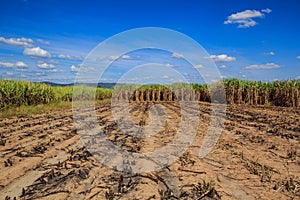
271 53
55 62
24 42
74 68
6 64
62 56
168 65
222 58
18 64
298 57
267 10
77 58
244 19
223 66
263 66
44 65
113 58
177 55
198 66
68 57
125 57
56 70
165 77
36 52
43 41
40 74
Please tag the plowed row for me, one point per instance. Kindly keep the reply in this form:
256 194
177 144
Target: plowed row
255 158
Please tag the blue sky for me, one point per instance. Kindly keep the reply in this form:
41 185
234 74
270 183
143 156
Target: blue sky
249 39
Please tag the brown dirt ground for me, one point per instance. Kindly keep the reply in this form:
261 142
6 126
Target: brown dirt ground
256 157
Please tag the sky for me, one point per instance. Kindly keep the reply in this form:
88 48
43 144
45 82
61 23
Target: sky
50 40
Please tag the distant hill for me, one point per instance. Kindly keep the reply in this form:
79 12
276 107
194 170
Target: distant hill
57 84
106 85
103 85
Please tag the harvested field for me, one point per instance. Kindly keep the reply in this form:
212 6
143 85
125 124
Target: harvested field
256 157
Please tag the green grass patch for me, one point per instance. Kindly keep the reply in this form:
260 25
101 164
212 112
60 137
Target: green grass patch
25 110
